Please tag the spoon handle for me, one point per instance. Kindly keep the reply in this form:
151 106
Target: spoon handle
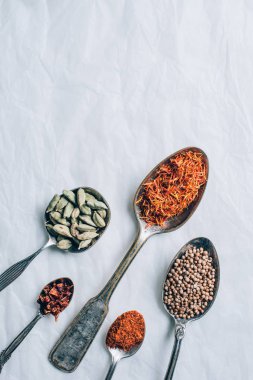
69 350
111 285
6 354
179 335
7 277
111 369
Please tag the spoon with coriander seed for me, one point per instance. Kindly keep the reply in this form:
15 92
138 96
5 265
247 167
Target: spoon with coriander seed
190 289
53 299
124 338
75 220
164 201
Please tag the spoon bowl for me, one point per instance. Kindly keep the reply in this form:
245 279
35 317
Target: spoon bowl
117 354
176 221
181 323
65 281
209 247
73 249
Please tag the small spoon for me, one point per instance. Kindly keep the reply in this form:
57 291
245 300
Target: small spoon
8 276
180 324
69 350
116 350
6 353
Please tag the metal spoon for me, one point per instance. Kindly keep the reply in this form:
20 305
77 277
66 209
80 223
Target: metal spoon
180 324
6 353
7 277
75 341
117 355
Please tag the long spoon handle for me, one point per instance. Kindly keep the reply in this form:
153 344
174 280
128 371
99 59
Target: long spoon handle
7 277
77 338
179 335
6 354
111 369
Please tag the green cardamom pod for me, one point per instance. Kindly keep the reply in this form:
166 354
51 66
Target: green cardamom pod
87 235
87 219
73 229
68 210
75 213
85 227
57 216
84 243
61 204
50 229
62 230
81 197
102 213
85 210
70 196
64 244
53 203
98 220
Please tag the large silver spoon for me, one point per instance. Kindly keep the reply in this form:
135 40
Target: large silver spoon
180 324
75 341
6 353
7 277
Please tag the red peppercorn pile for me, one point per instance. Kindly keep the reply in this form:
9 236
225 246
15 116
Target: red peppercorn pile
127 331
56 296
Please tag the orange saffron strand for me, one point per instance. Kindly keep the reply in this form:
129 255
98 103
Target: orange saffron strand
175 186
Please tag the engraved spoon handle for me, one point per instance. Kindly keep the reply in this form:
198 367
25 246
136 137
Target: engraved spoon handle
179 335
112 369
77 338
6 354
7 277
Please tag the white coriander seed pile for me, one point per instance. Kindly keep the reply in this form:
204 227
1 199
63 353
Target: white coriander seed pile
190 284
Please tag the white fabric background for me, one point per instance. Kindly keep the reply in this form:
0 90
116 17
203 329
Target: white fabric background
96 93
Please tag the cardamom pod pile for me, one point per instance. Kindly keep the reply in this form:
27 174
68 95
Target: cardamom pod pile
77 218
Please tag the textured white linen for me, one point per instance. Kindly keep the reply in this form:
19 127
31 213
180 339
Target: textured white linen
96 93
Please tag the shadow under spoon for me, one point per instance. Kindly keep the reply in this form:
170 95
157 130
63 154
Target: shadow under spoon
180 324
12 273
75 341
6 353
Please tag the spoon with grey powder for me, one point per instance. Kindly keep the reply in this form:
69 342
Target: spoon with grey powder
74 220
190 288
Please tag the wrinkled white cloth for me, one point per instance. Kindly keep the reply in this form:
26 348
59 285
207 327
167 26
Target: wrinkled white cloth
96 93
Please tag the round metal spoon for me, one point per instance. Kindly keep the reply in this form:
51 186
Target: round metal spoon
180 324
117 355
6 353
75 341
7 277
